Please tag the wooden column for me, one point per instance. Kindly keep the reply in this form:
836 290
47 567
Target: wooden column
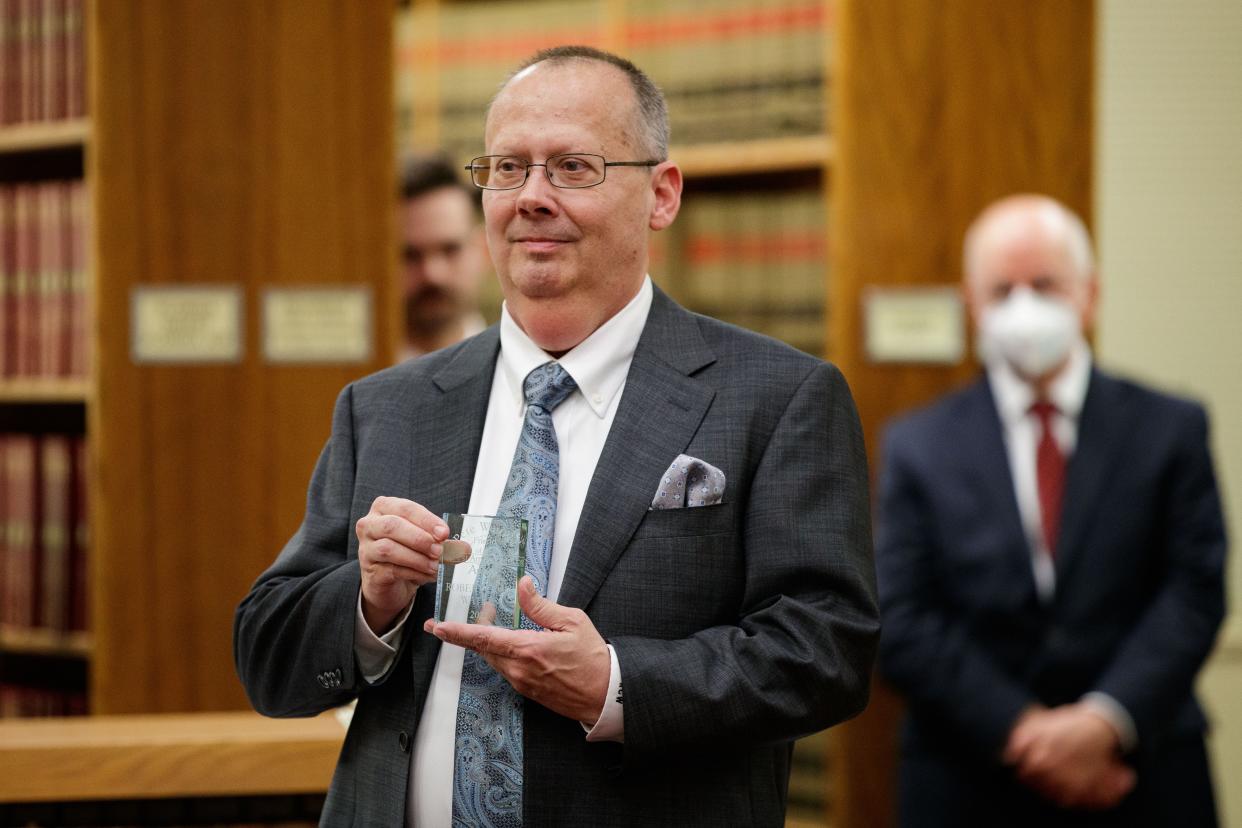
941 106
235 143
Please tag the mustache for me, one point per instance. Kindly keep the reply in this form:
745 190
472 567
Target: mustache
427 292
520 234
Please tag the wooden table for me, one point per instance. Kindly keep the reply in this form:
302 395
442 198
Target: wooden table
172 755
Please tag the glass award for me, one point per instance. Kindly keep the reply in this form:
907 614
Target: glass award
484 558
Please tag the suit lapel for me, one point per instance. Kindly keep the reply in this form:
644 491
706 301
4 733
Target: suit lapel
449 427
1097 451
447 431
659 412
991 466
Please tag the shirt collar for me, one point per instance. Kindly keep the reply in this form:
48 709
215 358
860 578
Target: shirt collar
598 364
1067 391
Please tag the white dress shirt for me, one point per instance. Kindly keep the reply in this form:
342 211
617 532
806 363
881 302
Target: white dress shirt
1014 398
599 365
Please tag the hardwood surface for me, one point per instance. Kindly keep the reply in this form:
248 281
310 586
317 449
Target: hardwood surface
150 757
20 138
941 106
233 143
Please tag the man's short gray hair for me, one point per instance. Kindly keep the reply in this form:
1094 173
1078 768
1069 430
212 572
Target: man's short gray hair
653 131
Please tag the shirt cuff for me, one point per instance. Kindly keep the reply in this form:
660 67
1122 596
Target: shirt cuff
375 653
610 726
1112 711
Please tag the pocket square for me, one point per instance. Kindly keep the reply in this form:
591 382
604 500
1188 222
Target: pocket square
689 482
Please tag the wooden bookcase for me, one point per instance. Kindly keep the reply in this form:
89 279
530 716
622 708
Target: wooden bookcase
238 144
43 140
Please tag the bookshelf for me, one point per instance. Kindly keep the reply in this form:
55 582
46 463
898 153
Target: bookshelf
758 157
16 139
239 145
45 643
52 391
747 84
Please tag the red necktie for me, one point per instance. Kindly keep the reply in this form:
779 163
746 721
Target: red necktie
1050 472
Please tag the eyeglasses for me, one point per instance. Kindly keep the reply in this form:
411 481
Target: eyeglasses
571 171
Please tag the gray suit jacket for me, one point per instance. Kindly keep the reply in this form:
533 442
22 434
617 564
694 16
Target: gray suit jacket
738 627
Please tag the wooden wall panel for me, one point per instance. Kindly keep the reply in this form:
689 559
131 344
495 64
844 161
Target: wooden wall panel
940 106
240 143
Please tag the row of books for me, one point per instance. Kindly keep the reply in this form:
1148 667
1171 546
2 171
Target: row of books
757 259
730 69
43 542
21 701
737 70
42 60
43 315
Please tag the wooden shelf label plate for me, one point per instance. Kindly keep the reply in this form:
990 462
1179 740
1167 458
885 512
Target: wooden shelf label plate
317 324
186 323
914 324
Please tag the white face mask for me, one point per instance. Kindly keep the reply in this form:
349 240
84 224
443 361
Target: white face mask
1030 331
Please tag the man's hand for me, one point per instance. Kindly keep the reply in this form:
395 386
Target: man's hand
1069 754
565 666
398 549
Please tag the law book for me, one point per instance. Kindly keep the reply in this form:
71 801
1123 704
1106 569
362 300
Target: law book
75 235
75 58
19 471
8 569
55 461
79 593
20 279
8 267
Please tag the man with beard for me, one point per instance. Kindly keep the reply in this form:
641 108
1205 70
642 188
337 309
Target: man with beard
1051 557
443 255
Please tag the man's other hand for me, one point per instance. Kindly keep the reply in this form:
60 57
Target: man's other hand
565 666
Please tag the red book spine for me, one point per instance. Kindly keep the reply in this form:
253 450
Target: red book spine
33 535
23 261
8 265
79 605
75 59
79 302
20 472
64 280
55 459
7 590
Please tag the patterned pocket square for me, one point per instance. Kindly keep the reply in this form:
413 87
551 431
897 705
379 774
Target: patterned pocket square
689 482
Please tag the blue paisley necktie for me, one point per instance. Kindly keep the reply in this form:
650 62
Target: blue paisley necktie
487 765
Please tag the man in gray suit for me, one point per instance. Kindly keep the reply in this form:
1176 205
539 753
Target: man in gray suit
675 653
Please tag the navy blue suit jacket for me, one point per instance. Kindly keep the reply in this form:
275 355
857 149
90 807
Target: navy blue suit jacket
1139 569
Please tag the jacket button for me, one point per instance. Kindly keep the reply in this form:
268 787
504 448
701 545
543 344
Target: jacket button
403 739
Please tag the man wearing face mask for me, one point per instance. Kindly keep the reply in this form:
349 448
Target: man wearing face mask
1050 551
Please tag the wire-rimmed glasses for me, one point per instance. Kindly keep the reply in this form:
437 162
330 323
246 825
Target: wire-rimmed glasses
570 171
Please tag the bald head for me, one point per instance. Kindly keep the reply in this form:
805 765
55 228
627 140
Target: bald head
647 120
1028 220
1029 241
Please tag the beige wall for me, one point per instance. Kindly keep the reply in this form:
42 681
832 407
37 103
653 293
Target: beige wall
1169 226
